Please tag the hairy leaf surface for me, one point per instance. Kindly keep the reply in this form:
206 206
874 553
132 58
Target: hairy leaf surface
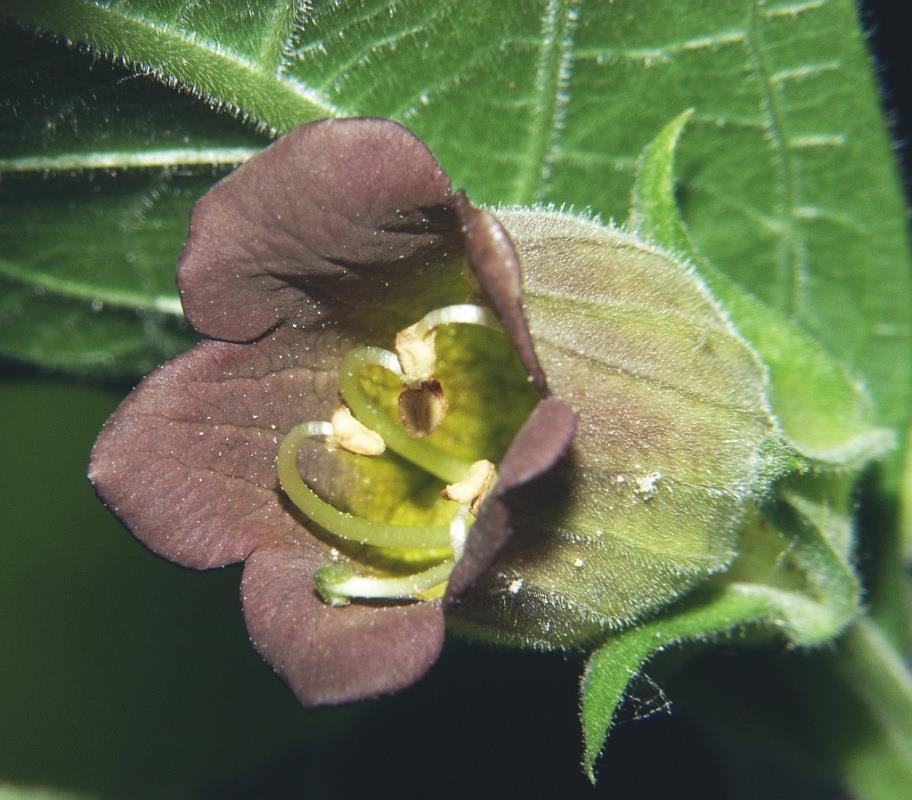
788 181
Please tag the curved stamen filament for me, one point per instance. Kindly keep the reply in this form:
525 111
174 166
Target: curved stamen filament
414 365
459 531
435 461
415 345
463 313
344 525
432 459
337 583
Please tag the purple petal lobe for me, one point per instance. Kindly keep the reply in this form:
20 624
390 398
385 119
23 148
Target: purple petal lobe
496 265
188 460
333 655
314 223
541 442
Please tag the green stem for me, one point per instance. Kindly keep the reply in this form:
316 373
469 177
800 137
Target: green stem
340 523
883 684
860 699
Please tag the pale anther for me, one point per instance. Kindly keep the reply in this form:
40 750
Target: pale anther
422 404
351 435
417 353
471 490
415 344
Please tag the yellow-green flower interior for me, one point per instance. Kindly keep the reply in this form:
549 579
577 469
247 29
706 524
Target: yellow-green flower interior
488 397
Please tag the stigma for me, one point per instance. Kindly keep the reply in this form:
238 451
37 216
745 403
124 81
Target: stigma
422 402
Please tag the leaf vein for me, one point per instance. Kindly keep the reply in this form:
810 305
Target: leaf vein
173 56
124 159
552 76
792 257
364 55
97 296
661 54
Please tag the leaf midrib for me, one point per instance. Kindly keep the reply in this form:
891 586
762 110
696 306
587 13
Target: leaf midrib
138 158
83 291
282 102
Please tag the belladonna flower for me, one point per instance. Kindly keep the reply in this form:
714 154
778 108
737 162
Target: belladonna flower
365 347
337 237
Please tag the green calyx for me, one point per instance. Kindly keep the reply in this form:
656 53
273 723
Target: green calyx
676 438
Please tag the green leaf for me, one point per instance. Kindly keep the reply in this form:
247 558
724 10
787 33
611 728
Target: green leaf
612 667
64 113
787 177
654 209
825 413
793 576
223 53
787 180
798 556
84 288
87 262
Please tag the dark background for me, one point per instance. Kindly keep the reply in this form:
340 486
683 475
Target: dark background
125 675
889 30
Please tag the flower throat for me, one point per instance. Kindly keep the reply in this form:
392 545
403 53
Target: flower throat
446 404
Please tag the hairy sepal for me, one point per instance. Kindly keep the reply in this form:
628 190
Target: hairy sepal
675 439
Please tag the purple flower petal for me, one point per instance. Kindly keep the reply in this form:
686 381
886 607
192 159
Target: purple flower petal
319 222
329 239
495 263
328 654
188 460
541 442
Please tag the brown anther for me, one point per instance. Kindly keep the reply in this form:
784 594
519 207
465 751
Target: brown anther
351 435
422 408
417 353
473 488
